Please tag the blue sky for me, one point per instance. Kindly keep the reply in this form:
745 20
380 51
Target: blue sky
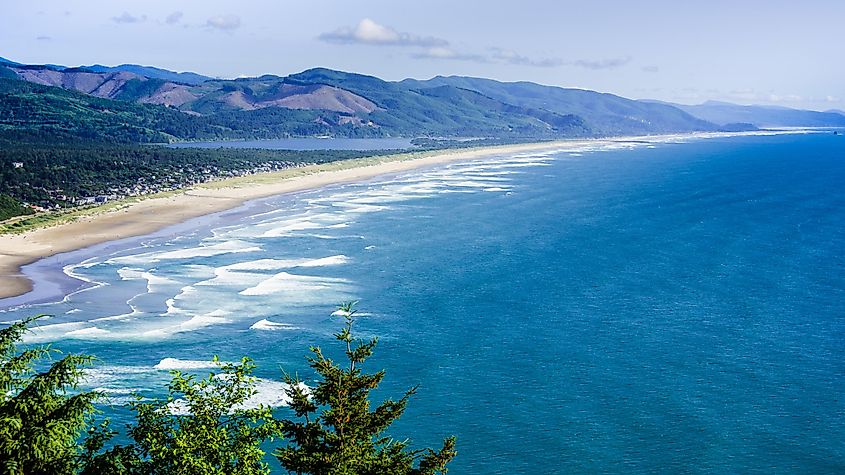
747 51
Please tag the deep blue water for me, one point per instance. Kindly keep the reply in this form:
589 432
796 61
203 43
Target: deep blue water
664 308
305 144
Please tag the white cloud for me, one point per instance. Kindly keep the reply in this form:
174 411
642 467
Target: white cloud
127 17
224 22
369 32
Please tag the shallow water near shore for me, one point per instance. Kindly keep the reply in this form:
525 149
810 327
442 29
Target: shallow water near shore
640 308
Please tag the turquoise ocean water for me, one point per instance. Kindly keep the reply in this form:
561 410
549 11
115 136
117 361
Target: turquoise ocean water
676 306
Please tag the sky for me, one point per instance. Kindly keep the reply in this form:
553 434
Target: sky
775 52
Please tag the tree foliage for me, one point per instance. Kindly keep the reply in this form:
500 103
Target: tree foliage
336 432
41 417
203 427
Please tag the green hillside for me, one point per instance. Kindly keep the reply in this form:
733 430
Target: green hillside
35 113
604 114
445 111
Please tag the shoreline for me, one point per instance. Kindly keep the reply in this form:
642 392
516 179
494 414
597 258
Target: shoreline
154 213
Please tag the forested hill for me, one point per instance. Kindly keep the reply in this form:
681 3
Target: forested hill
606 114
180 106
34 113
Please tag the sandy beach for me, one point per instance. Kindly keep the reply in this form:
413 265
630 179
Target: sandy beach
155 213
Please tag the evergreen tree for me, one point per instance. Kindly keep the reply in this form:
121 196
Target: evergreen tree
40 418
346 437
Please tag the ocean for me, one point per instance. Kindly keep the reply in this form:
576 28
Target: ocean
662 306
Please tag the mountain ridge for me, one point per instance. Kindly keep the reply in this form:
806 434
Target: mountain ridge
323 101
723 113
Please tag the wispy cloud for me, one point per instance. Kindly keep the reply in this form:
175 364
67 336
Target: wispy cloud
369 32
595 65
651 69
442 52
506 56
224 22
174 18
512 57
44 38
127 17
494 55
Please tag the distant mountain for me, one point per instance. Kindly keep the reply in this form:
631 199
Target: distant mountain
151 72
605 114
446 111
836 111
322 101
763 116
6 62
104 85
43 114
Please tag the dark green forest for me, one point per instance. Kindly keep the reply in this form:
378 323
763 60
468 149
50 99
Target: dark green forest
59 175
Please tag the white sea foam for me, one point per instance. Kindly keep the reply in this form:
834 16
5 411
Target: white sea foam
112 375
189 324
486 178
122 317
264 264
293 226
130 273
116 390
71 271
506 165
226 247
223 276
265 324
284 282
53 331
268 393
177 364
359 208
154 282
326 261
91 332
